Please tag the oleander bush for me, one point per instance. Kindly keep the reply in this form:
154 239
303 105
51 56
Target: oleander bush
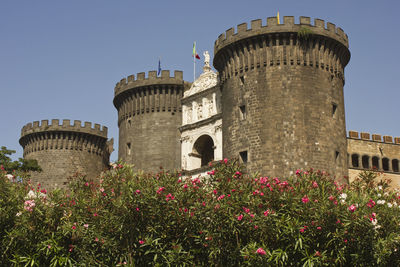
228 219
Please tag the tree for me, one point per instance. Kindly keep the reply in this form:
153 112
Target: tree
23 165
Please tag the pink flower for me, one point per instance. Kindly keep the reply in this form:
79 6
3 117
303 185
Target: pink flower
221 197
225 160
29 205
371 203
185 186
86 184
160 190
211 172
95 214
96 239
331 197
138 191
302 230
260 251
240 217
74 227
317 253
86 225
352 207
298 172
319 228
266 213
102 190
141 242
137 209
246 210
305 199
314 184
48 246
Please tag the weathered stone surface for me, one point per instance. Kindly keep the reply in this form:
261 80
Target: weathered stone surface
292 90
64 150
386 155
149 115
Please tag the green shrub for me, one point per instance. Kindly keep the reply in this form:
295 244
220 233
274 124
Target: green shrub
228 219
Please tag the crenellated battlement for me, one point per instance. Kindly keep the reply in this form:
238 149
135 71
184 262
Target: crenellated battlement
373 137
65 126
288 25
151 79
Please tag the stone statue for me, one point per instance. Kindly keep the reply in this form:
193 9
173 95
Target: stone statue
206 59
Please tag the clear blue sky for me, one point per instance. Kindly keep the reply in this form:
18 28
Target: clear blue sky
62 59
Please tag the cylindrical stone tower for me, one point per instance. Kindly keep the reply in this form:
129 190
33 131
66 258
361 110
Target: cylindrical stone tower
149 115
282 93
63 150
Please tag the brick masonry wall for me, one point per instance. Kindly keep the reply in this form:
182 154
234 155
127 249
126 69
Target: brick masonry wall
154 139
377 149
289 122
58 165
291 88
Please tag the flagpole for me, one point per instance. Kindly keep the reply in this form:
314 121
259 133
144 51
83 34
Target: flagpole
194 64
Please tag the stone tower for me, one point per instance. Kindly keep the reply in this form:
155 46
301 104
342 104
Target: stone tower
149 115
282 95
63 150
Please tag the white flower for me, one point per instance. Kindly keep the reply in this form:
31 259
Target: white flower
343 196
381 202
386 194
10 177
389 205
380 187
18 214
374 221
379 195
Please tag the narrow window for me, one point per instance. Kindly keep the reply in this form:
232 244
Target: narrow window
375 163
365 162
395 165
242 80
385 164
129 122
334 107
128 148
336 155
243 157
242 112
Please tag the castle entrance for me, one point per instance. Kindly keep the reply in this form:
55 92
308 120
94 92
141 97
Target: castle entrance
203 151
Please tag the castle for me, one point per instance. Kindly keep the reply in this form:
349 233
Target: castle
276 105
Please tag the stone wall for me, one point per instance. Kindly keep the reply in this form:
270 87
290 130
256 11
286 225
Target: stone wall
149 115
282 96
366 151
64 150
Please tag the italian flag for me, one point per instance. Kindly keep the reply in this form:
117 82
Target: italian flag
194 51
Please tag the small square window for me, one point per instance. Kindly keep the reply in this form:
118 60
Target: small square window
243 157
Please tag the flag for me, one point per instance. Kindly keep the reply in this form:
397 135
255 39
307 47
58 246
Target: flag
159 67
277 16
194 51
